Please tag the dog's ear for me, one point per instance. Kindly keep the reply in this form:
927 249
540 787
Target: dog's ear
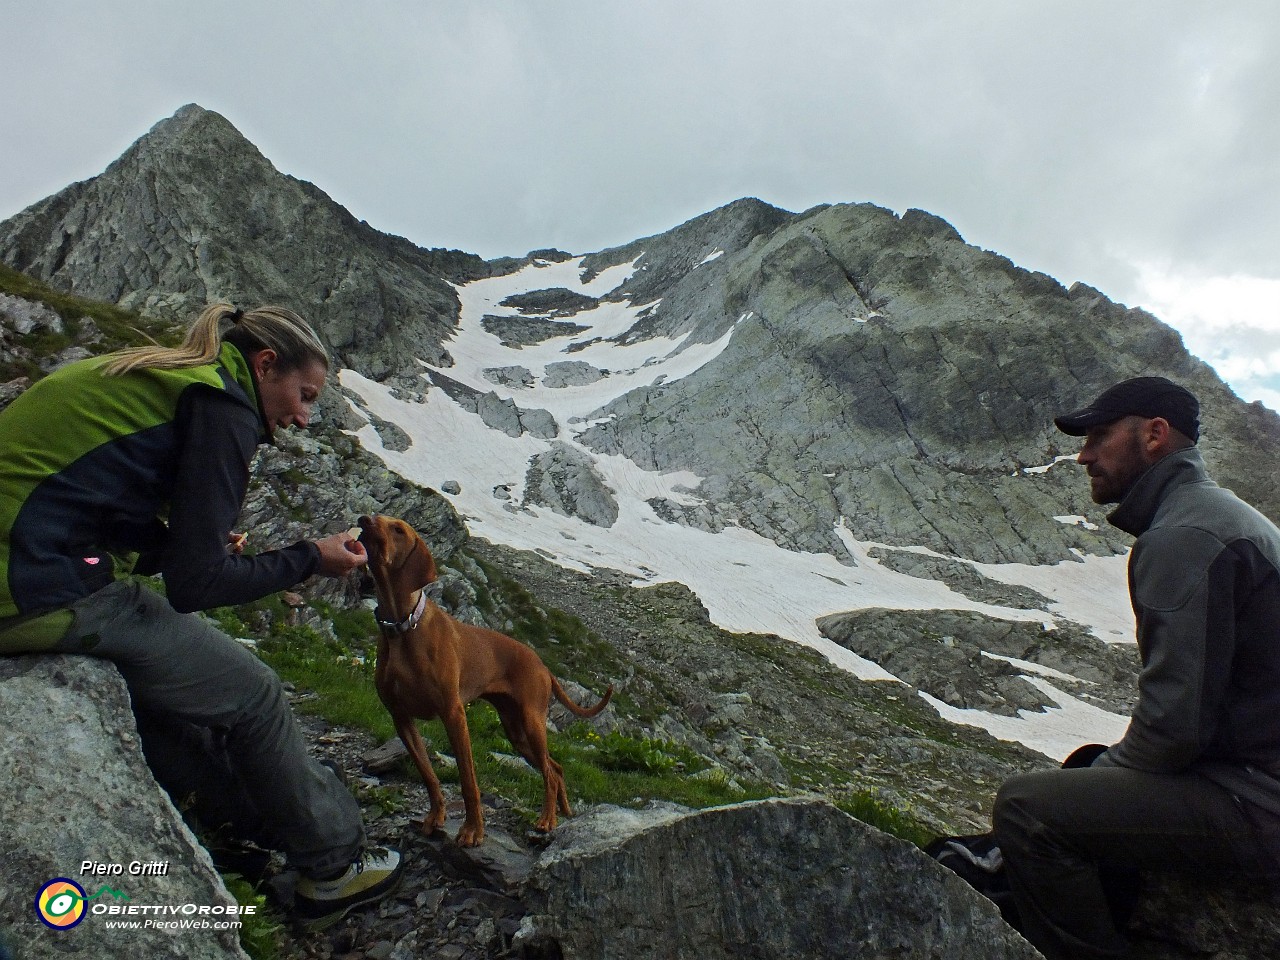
420 565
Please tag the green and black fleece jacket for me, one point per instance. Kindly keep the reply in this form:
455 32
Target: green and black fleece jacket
98 472
1204 577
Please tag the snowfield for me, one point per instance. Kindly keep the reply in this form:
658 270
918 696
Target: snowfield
747 583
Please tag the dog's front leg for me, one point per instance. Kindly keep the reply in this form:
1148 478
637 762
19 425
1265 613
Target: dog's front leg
455 724
407 728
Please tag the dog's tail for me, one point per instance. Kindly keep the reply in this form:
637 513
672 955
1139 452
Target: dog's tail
573 707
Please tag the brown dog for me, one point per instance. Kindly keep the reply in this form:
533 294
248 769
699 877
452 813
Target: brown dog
431 665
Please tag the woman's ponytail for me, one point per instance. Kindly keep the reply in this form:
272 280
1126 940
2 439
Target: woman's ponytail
275 328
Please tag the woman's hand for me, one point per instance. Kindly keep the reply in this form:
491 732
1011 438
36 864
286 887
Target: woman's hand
340 554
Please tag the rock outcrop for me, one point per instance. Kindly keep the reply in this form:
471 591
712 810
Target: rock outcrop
320 481
76 789
565 479
972 661
767 880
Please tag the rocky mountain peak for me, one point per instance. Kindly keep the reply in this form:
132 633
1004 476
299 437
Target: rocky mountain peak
193 212
837 421
193 124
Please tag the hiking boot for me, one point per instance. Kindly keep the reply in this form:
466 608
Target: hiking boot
376 873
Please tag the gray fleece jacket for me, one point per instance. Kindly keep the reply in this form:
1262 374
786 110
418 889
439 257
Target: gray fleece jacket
1204 577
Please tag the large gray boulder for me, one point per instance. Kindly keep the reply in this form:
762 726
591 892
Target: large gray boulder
566 480
74 787
773 880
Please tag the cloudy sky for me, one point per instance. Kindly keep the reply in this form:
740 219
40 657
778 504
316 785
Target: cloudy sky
1131 145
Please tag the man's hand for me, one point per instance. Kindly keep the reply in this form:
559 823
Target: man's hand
340 554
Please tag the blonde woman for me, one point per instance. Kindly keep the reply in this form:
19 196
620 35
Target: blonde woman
139 461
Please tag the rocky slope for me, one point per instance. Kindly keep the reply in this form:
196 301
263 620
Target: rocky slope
874 377
758 707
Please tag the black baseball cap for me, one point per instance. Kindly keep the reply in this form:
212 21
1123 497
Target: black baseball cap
1140 397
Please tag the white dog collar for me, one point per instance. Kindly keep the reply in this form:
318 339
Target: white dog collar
409 622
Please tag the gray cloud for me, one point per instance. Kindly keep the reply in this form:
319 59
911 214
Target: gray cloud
1084 139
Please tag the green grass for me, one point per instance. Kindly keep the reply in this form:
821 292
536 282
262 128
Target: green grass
260 933
869 808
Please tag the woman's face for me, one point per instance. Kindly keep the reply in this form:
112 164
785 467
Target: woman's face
287 396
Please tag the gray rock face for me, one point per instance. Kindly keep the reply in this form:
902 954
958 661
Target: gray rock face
513 376
26 329
775 879
885 372
571 373
77 789
554 302
10 391
499 413
526 331
24 316
565 480
955 657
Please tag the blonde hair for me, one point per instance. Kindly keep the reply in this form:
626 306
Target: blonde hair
265 328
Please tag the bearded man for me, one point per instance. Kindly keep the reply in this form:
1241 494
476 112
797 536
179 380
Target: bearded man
1194 785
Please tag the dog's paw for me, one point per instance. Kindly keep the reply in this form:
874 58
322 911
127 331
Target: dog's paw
432 826
471 835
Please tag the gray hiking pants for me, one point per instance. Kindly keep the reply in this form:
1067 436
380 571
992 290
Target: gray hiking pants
1061 830
217 729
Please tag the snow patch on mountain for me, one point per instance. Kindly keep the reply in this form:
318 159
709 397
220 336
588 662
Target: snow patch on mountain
625 366
1088 590
747 583
1054 732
